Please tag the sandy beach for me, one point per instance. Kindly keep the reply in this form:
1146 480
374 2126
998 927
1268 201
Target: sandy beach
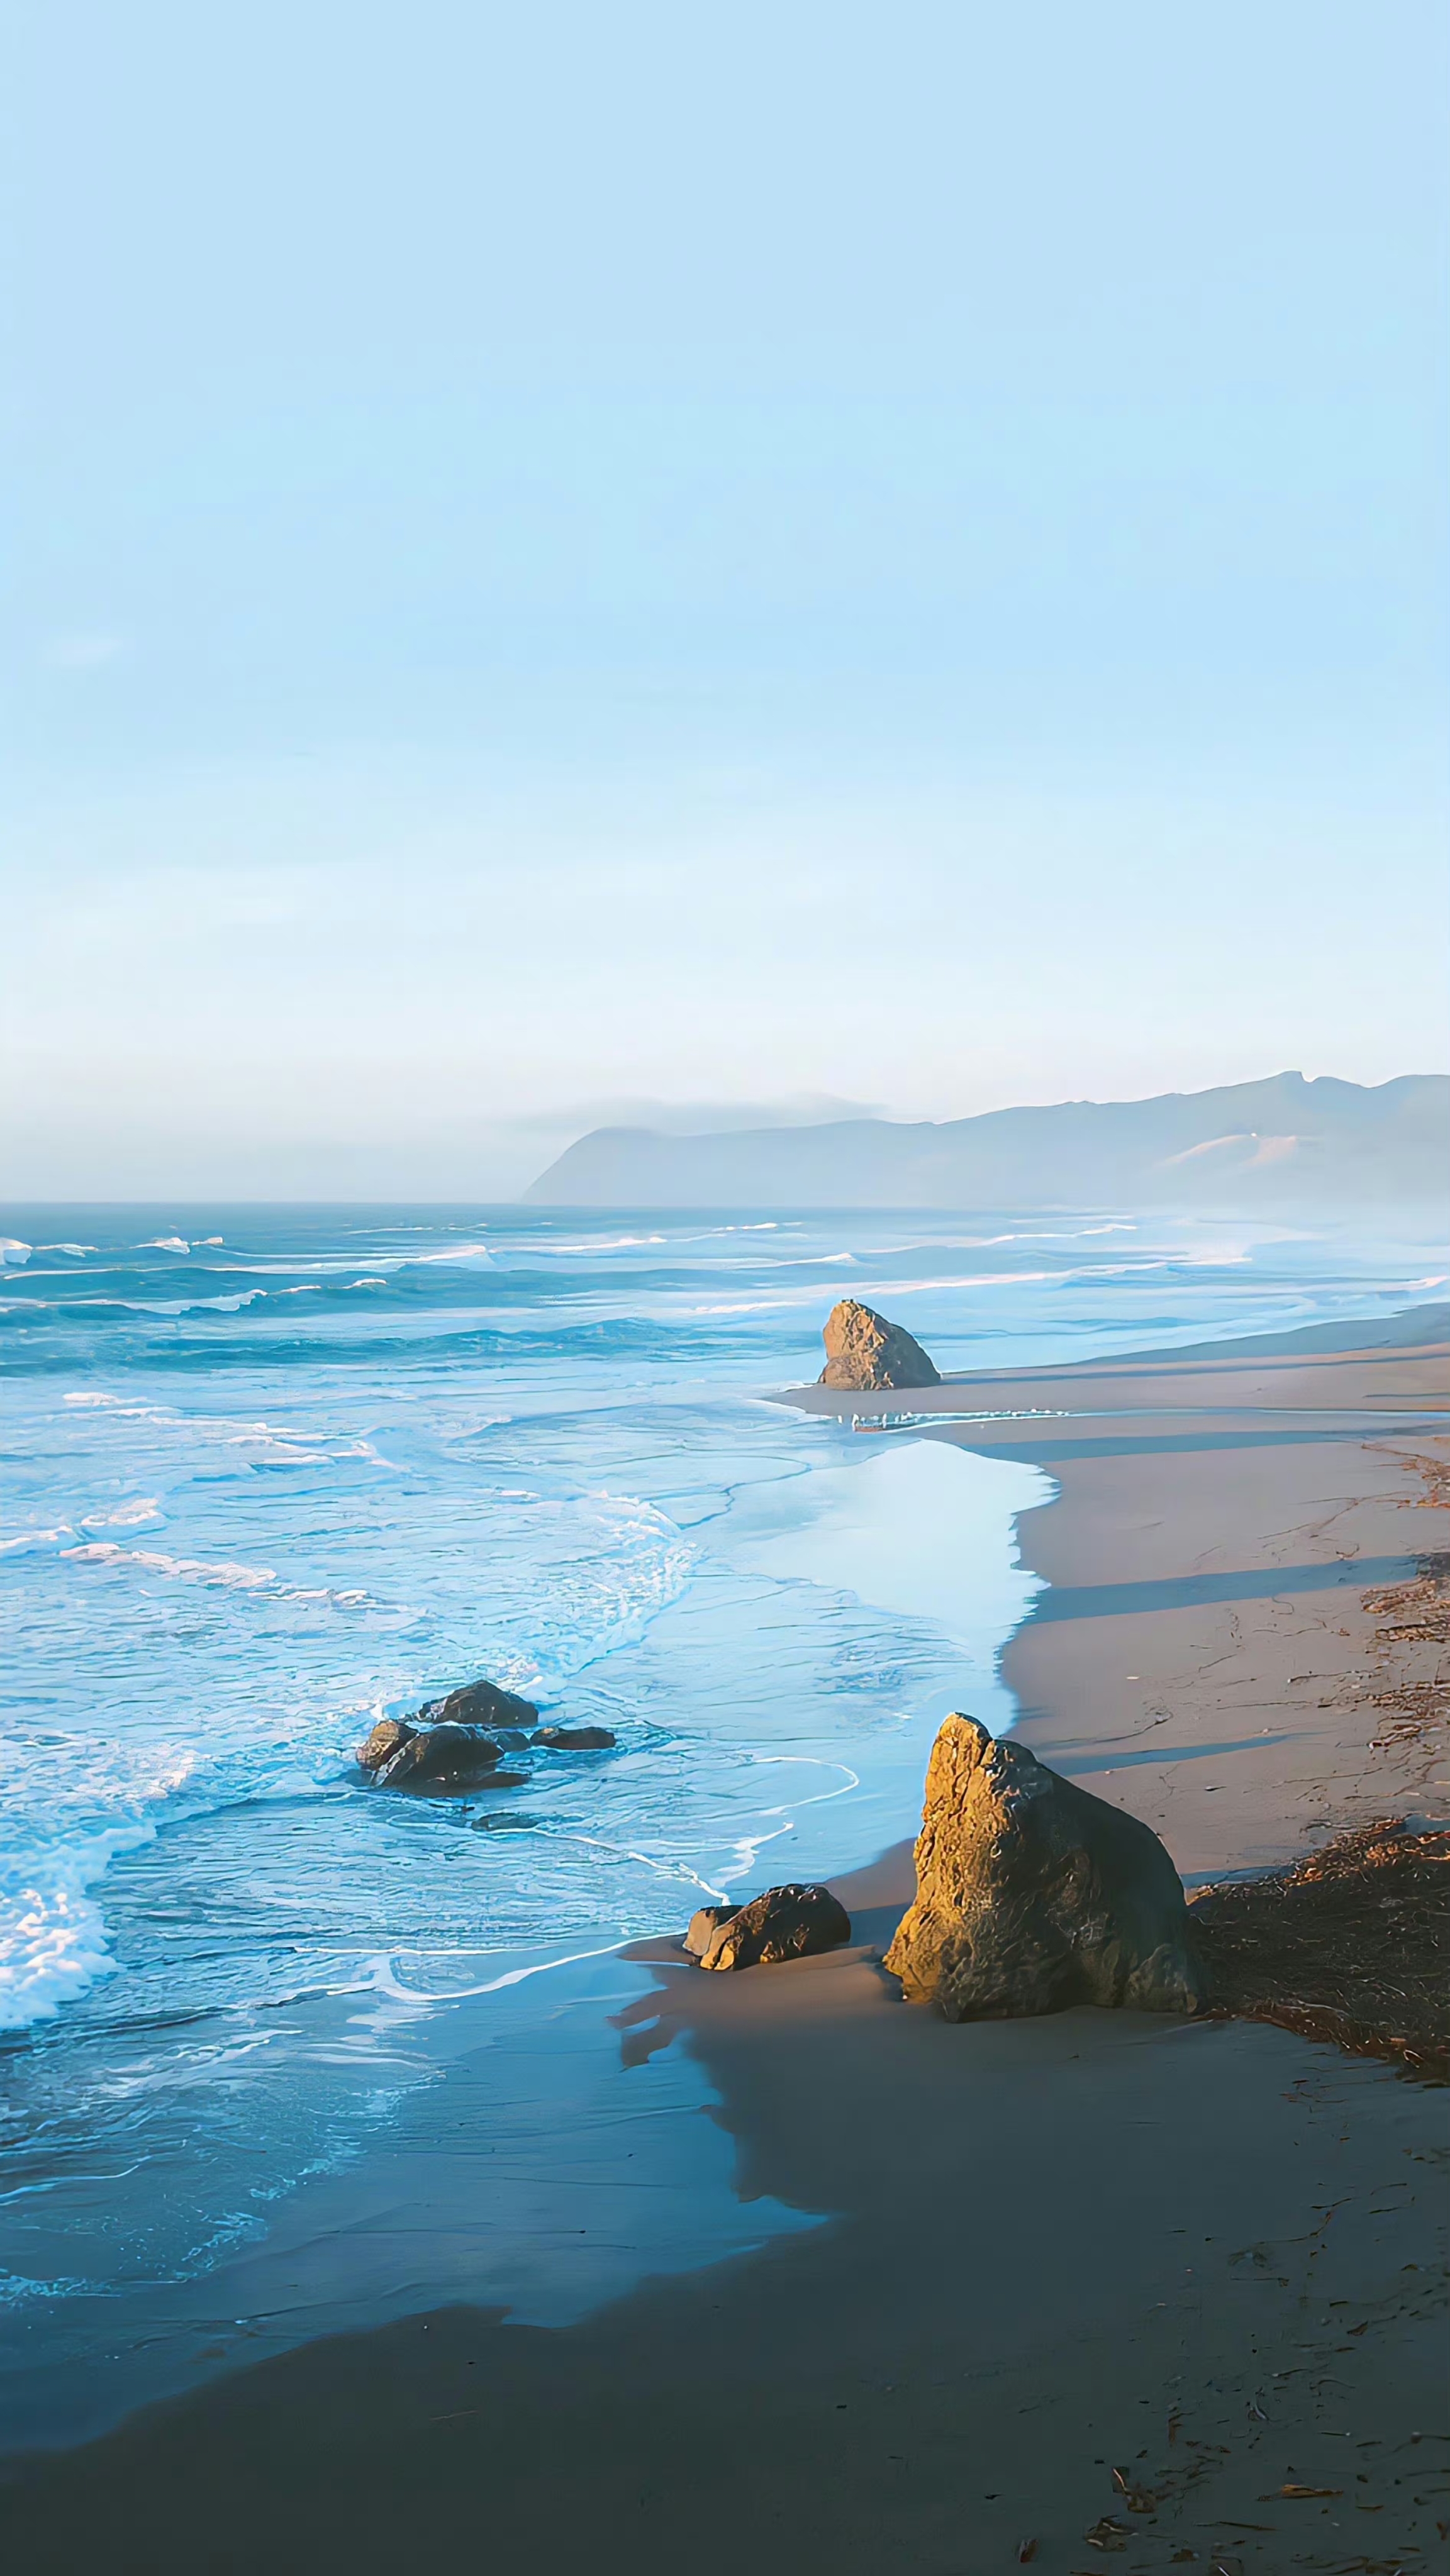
1095 2286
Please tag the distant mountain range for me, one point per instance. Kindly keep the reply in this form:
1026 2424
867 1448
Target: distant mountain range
1252 1146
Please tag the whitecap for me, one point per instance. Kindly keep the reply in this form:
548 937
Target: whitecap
272 1447
142 1512
183 1569
228 1574
605 1243
12 1249
53 1942
276 1452
164 1243
29 1542
478 1253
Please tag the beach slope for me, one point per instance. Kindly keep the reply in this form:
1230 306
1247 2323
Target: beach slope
1092 2285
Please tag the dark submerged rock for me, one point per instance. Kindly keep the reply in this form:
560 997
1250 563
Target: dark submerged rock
784 1923
864 1351
1032 1895
480 1704
705 1925
387 1738
440 1757
574 1739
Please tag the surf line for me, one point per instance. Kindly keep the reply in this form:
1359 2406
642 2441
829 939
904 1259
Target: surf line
388 1983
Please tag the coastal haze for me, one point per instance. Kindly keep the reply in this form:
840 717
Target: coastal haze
646 560
687 695
1259 1146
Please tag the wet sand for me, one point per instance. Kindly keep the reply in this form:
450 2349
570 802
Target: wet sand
1200 2255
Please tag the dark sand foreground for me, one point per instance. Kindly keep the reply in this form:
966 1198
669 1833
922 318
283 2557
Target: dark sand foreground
1098 2286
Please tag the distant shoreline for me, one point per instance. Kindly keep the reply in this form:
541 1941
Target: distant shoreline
1247 1149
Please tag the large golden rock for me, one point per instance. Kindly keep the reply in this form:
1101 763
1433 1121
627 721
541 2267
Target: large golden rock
1031 1894
864 1351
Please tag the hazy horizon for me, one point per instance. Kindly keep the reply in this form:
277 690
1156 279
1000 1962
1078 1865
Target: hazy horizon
649 1119
562 563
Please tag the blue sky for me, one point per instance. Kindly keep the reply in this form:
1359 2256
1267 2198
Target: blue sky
572 557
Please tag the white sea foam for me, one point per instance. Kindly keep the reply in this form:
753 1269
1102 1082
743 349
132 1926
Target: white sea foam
76 1251
226 1574
478 1254
182 1569
35 1541
603 1566
229 1304
807 1295
600 1243
12 1249
52 1934
52 1937
164 1243
947 1284
143 1511
383 1978
270 1451
264 1444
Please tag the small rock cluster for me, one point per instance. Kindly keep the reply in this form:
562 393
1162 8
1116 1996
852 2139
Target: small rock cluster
456 1741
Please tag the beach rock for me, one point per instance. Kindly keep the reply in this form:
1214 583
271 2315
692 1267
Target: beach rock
480 1704
784 1923
864 1351
575 1739
440 1757
705 1925
1032 1895
387 1738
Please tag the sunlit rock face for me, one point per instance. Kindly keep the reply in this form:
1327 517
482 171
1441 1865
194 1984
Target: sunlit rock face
1032 1895
864 1351
784 1923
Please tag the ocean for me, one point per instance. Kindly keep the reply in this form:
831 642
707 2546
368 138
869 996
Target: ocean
282 2052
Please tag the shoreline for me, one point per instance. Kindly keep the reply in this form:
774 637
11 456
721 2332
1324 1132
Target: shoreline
1195 2253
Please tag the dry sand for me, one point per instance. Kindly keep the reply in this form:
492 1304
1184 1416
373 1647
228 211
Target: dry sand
1096 2287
